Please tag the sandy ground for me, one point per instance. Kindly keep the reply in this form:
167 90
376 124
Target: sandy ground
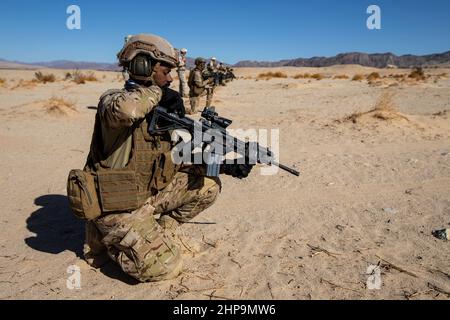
373 188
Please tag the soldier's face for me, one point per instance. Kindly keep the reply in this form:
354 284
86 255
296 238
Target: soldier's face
162 76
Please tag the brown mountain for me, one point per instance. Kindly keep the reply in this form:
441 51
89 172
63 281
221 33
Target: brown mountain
377 60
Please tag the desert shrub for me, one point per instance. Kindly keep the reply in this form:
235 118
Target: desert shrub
317 76
2 81
373 76
91 77
397 76
44 78
417 74
60 107
81 78
341 77
68 76
384 110
270 75
358 77
78 77
303 76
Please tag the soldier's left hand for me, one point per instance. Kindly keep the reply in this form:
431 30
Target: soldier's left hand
239 171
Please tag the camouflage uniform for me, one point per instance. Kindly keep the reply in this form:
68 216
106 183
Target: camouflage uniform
181 69
198 85
135 241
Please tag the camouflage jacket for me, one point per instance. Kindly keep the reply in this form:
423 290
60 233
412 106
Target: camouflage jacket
118 110
197 83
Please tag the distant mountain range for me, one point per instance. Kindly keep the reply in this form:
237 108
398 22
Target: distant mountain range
70 65
60 64
376 60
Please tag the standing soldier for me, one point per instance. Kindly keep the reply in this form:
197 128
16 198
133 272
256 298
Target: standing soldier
212 65
198 84
221 70
181 69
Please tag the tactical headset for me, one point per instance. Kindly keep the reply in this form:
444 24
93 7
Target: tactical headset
141 66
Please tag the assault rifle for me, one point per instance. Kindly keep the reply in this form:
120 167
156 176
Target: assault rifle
212 129
211 74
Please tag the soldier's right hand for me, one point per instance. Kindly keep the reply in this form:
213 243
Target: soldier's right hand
173 102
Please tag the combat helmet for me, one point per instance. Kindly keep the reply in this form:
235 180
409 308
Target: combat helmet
138 52
199 61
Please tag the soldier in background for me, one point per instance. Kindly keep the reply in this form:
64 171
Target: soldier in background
212 65
181 70
198 84
229 75
221 70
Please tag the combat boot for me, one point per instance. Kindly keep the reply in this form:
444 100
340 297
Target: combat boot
95 252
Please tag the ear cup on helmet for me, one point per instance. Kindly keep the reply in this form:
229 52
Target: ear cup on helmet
141 66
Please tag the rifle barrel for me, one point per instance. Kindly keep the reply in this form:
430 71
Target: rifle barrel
286 168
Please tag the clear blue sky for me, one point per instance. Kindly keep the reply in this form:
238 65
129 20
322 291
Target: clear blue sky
232 30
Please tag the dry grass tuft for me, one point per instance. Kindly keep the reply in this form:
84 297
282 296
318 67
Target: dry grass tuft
398 77
2 82
303 76
44 78
384 110
317 76
373 76
270 75
358 77
80 78
417 74
341 77
60 107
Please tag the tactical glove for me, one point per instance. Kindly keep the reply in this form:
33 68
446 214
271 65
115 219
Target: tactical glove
239 171
173 102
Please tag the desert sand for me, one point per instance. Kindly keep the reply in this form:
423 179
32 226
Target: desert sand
375 182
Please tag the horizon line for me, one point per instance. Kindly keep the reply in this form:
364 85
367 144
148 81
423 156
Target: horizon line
245 60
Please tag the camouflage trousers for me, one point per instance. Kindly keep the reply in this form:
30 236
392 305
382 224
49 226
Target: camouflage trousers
195 100
138 242
184 89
